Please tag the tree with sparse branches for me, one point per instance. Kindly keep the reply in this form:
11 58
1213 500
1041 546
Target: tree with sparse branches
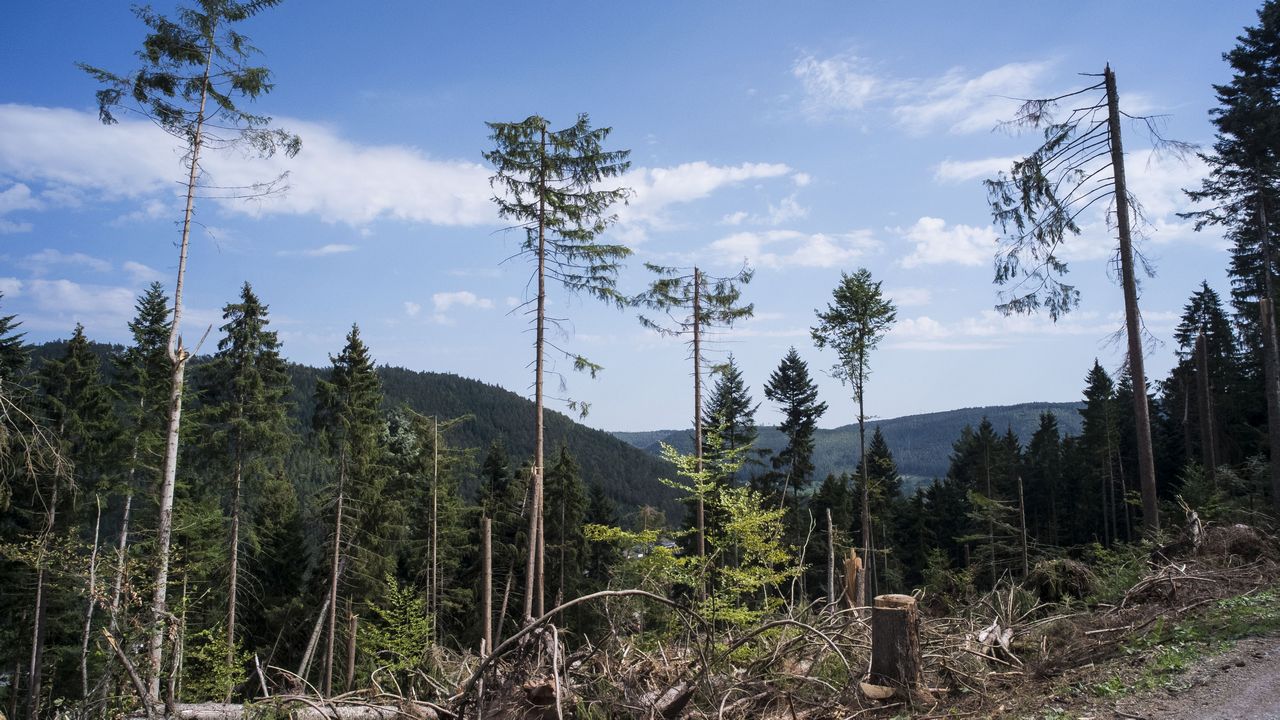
547 182
194 72
693 304
852 325
1037 205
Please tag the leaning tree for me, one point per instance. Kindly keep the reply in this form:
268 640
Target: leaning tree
1038 204
547 182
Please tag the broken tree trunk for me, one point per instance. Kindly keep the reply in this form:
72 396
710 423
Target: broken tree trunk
895 648
302 709
852 579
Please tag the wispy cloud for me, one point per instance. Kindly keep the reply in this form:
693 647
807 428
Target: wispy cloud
991 330
656 190
910 296
957 171
41 262
789 248
837 86
323 250
442 302
140 273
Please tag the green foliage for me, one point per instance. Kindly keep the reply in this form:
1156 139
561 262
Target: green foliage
1117 569
194 70
852 325
206 674
796 395
399 634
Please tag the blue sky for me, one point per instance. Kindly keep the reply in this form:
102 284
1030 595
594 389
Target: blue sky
808 138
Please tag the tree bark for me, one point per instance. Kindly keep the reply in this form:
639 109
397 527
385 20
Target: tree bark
353 624
533 584
697 407
1204 397
38 630
831 562
435 530
327 688
895 646
92 601
486 592
1022 515
1137 371
1271 375
234 564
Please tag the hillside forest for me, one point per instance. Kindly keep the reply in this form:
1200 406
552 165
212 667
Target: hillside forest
186 524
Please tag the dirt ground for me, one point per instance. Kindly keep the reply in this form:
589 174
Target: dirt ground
1243 683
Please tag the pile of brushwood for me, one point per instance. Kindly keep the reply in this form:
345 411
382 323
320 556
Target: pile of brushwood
983 654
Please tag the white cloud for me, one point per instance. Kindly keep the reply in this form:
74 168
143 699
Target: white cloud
332 178
963 103
956 171
141 273
786 210
788 248
735 218
40 262
936 244
412 308
9 227
17 197
462 298
910 296
65 298
10 286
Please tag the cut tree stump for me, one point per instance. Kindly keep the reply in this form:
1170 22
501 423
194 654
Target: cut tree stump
895 650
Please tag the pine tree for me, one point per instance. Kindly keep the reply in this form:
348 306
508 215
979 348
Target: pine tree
349 419
1205 388
547 181
194 72
1043 480
1100 442
245 388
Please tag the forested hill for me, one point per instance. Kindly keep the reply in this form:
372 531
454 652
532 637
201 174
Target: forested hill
921 444
629 476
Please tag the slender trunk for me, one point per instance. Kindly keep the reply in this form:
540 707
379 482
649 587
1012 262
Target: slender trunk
533 584
1022 515
38 630
991 520
1141 410
1204 405
233 570
92 601
831 562
327 687
560 594
435 531
178 356
697 407
864 589
353 622
304 667
1270 349
486 592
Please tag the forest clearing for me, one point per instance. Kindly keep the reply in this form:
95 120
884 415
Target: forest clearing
195 525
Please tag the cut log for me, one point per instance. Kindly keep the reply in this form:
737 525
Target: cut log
895 647
297 711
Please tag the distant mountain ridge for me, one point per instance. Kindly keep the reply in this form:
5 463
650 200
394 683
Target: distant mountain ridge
921 444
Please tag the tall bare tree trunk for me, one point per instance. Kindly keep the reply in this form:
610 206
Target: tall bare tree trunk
486 592
353 623
1022 515
1204 397
1270 349
864 589
327 687
233 571
178 355
435 531
533 583
92 590
697 407
831 562
1137 370
38 630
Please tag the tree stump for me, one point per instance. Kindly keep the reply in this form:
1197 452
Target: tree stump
895 649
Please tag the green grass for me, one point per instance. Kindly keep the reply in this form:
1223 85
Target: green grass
1169 649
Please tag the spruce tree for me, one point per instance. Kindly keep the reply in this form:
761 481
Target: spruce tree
1100 443
853 325
730 411
13 351
245 415
566 510
348 418
1043 480
797 398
